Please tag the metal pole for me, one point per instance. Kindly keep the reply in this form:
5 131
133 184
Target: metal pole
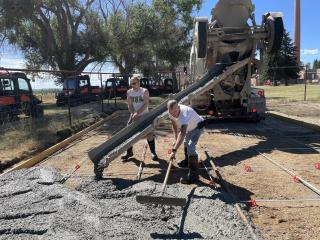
102 92
297 28
305 84
114 92
69 109
179 85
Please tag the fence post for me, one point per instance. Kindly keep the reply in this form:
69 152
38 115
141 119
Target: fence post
102 92
69 109
305 83
114 92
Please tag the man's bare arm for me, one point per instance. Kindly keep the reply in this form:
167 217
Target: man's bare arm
130 105
181 136
145 102
174 129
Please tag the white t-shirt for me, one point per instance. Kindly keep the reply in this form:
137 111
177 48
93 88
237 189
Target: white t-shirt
137 99
187 116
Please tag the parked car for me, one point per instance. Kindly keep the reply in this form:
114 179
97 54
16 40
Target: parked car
271 83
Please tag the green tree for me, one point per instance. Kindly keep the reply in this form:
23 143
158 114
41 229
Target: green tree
282 64
176 23
174 38
132 28
70 34
308 65
145 36
316 64
61 34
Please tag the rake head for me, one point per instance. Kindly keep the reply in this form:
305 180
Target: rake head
161 200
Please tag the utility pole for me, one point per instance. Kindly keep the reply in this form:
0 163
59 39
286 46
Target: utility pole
297 28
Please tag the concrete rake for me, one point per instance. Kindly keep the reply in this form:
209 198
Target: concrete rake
162 199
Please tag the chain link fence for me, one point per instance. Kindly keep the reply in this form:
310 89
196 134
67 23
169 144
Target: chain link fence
37 109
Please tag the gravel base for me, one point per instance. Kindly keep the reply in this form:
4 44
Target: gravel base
34 205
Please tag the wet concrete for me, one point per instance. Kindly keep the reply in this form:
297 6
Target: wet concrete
35 205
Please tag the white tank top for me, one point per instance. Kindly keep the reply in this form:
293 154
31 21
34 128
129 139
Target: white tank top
137 99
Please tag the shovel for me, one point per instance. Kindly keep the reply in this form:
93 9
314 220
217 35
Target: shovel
162 200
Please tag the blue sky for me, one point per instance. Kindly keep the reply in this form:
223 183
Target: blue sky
310 31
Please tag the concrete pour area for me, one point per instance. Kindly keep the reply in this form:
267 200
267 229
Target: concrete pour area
35 205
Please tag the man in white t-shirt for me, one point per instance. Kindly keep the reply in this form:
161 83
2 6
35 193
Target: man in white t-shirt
187 127
138 104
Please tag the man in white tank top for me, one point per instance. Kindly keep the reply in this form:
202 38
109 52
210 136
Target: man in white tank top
187 128
138 104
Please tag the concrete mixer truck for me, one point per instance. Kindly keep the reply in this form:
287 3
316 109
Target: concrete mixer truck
227 39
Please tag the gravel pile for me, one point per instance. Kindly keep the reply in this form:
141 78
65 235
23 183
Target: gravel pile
35 205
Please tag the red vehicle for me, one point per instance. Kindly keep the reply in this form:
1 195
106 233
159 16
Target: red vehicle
165 85
16 97
116 87
79 90
267 83
271 83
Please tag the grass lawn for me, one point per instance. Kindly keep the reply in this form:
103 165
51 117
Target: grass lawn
155 101
292 93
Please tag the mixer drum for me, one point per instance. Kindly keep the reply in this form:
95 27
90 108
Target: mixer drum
233 13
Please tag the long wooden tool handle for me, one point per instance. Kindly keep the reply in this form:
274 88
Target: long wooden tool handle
130 119
166 178
211 162
142 161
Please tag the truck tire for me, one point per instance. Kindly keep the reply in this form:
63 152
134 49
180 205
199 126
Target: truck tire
276 30
59 104
202 39
37 111
5 116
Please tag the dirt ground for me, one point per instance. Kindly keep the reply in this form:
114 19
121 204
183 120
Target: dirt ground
295 148
305 111
235 146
